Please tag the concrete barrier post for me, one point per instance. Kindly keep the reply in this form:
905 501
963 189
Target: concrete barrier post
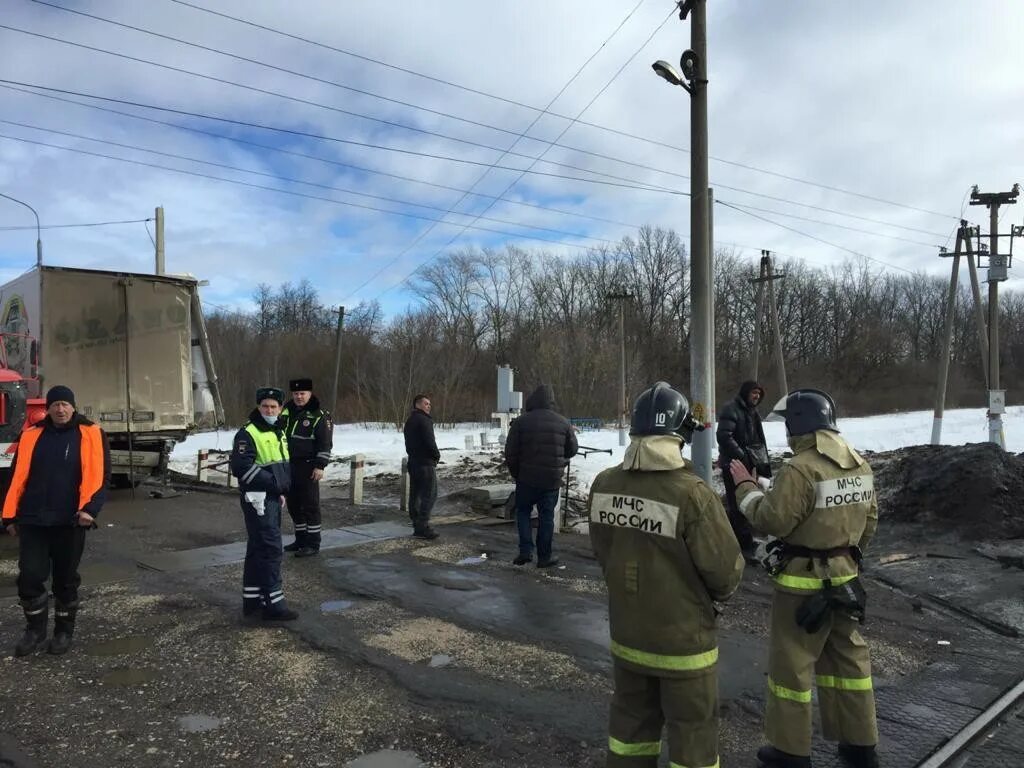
403 487
355 486
470 443
201 471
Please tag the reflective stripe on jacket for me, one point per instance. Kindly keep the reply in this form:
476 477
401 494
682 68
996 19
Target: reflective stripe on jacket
92 461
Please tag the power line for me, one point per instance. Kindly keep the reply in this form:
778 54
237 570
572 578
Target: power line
288 179
82 224
562 90
627 182
281 191
506 100
813 237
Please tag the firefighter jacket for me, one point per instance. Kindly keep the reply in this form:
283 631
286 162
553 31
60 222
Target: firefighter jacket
310 432
259 457
667 552
56 472
823 499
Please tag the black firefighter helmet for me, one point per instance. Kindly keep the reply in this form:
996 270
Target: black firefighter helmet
805 411
662 410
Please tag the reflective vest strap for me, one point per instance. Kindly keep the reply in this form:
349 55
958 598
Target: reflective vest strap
92 463
844 683
26 445
634 748
271 446
663 661
781 692
810 583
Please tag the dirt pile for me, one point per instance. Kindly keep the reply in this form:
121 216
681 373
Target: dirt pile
974 490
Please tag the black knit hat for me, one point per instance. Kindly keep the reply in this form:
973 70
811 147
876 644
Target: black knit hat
60 393
300 385
272 393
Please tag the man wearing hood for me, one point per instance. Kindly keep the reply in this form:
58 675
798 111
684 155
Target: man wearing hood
741 437
310 440
59 479
823 510
667 554
537 449
259 459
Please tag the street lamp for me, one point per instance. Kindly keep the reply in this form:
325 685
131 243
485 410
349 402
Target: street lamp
693 76
39 237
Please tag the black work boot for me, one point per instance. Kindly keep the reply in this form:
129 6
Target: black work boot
63 628
426 532
37 615
858 757
296 545
771 757
307 551
547 562
278 611
252 602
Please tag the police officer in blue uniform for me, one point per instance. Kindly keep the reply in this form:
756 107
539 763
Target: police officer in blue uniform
310 440
259 459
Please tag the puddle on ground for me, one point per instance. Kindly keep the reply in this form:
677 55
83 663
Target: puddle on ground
451 580
198 723
387 758
128 678
119 646
335 606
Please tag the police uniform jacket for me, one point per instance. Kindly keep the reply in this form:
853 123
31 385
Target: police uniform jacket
310 432
260 460
823 499
667 552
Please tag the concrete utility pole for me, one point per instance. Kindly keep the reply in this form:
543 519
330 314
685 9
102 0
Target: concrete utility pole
769 275
161 267
337 360
622 298
755 357
947 340
998 264
979 312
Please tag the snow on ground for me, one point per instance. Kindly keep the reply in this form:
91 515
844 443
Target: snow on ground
384 447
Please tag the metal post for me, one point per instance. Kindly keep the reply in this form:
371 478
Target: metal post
403 486
947 343
700 260
39 235
337 359
355 486
160 264
995 418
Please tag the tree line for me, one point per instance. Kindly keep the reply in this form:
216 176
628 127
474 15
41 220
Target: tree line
871 338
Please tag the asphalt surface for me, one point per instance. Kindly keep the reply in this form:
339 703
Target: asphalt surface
417 657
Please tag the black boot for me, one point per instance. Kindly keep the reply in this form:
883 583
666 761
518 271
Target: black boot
37 615
858 757
425 532
63 628
296 545
307 550
252 602
279 611
771 757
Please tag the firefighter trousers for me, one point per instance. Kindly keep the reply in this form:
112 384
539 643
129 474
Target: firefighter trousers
836 659
642 704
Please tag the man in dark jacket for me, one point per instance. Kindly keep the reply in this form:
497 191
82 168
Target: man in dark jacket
539 445
310 439
741 437
423 457
59 478
259 459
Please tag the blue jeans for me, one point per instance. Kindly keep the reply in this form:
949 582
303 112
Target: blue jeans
526 498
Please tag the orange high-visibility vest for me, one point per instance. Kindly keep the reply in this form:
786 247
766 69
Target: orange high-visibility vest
92 466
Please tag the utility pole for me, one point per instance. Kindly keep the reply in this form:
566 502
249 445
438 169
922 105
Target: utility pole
693 76
947 340
39 235
973 260
755 357
337 359
769 276
998 264
622 298
160 263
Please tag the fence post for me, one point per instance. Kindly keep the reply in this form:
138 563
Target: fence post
201 471
403 486
355 486
470 443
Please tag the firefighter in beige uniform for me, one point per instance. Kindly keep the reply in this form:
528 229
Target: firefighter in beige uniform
667 552
823 509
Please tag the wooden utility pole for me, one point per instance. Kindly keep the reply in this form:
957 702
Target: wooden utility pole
337 360
998 264
622 297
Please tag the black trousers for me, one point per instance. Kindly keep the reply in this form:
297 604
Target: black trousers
422 494
45 551
740 525
304 502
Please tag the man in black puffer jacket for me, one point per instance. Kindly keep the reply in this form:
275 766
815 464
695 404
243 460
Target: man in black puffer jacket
424 455
539 445
741 436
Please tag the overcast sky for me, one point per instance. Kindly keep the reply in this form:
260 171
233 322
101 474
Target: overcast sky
910 102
